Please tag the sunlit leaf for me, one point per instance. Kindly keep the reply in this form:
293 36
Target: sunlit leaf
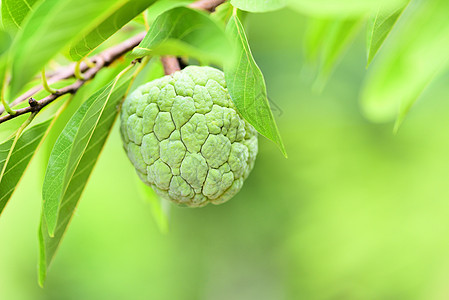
108 27
223 13
416 54
326 41
14 12
159 206
162 6
342 8
71 162
15 158
259 6
99 81
379 27
5 42
246 86
153 70
72 146
52 26
185 31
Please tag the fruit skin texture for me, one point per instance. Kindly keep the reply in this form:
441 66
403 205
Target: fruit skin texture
185 138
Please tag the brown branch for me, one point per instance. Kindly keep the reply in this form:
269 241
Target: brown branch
208 5
65 73
111 54
101 61
171 64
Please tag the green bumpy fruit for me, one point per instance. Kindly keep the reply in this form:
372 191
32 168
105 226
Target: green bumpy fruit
186 139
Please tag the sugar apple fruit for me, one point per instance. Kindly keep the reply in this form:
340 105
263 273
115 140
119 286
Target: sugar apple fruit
185 138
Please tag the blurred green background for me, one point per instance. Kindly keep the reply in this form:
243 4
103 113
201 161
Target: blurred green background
355 212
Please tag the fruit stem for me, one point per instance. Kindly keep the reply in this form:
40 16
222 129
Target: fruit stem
171 64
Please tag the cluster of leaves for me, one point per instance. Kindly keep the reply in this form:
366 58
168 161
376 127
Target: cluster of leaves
36 33
410 59
78 132
406 42
402 65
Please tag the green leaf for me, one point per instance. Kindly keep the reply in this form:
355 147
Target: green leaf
259 6
326 41
342 8
379 27
107 28
222 13
159 207
14 12
184 31
153 70
15 158
246 86
73 144
162 6
52 26
5 42
71 162
416 54
317 29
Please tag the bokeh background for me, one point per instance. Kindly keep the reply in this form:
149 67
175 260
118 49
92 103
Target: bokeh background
355 212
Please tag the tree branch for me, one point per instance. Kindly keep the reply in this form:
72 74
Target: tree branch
208 5
171 64
101 61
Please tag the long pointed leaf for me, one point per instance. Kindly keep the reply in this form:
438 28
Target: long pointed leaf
70 148
108 27
259 6
379 28
73 158
247 88
159 206
5 43
52 26
342 8
326 41
413 58
14 12
14 160
162 6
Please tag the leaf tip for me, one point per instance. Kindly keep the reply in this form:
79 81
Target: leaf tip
399 120
281 146
41 279
42 267
319 83
51 226
50 214
369 60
